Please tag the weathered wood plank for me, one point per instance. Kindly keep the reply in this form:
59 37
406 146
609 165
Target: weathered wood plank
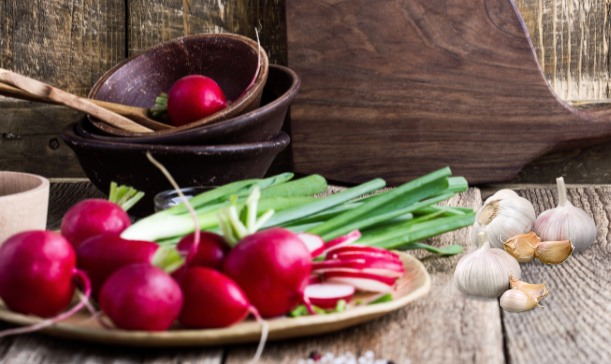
444 327
571 39
574 326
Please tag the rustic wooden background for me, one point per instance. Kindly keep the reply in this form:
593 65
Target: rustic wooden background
70 44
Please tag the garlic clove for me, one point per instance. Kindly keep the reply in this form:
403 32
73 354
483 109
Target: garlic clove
514 300
521 246
534 291
485 272
501 194
566 221
554 252
504 217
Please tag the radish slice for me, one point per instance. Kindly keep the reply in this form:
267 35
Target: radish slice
374 266
361 255
362 281
326 295
359 249
342 241
314 243
315 279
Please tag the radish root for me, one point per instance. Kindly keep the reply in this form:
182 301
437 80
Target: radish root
84 280
264 332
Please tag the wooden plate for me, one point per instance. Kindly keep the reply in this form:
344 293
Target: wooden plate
414 284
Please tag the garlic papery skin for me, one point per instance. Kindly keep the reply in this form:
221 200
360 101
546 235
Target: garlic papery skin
566 222
503 217
501 194
514 300
535 291
522 247
485 272
554 252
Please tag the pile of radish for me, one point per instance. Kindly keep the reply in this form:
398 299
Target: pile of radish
252 260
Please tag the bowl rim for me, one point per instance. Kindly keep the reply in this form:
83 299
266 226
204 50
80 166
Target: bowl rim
71 138
44 184
239 104
286 97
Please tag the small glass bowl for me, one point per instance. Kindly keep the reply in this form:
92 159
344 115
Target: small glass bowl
166 199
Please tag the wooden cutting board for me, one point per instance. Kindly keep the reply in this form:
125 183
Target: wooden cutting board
397 89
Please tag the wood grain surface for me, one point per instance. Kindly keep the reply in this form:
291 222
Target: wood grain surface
380 99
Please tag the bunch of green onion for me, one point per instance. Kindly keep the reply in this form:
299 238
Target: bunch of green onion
395 219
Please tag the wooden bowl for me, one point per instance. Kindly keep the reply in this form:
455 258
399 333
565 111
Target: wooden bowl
414 284
229 59
261 124
24 200
191 166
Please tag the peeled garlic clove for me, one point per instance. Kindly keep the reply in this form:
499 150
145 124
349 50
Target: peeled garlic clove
554 252
485 272
566 222
515 300
535 291
522 246
504 217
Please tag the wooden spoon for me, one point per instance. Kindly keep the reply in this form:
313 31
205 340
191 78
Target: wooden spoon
50 94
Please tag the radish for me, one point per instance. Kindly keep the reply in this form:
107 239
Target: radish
93 217
361 252
342 241
37 277
326 295
141 297
211 250
314 278
193 98
380 267
314 243
212 300
273 268
361 281
102 255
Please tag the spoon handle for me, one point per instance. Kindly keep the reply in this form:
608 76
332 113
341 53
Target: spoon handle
67 99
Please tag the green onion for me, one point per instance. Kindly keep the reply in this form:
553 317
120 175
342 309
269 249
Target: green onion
306 186
410 192
446 250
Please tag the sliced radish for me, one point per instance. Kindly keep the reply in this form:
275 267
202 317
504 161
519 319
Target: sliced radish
314 243
380 267
361 255
326 295
342 241
359 249
362 281
315 278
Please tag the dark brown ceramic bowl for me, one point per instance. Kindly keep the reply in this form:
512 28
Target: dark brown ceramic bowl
229 59
127 164
258 125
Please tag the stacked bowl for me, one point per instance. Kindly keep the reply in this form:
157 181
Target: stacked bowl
239 142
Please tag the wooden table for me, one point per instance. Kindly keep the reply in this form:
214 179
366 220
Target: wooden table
444 327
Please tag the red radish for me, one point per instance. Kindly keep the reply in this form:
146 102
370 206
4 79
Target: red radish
36 273
211 250
93 217
380 267
314 279
361 281
193 98
141 297
211 299
342 241
102 255
326 295
314 243
273 268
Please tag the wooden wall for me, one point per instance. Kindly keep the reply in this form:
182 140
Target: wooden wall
70 44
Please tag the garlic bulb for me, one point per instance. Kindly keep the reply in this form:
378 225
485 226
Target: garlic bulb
554 252
566 222
522 246
515 300
505 214
485 272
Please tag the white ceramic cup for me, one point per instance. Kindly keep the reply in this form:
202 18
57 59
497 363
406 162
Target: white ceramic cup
24 201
